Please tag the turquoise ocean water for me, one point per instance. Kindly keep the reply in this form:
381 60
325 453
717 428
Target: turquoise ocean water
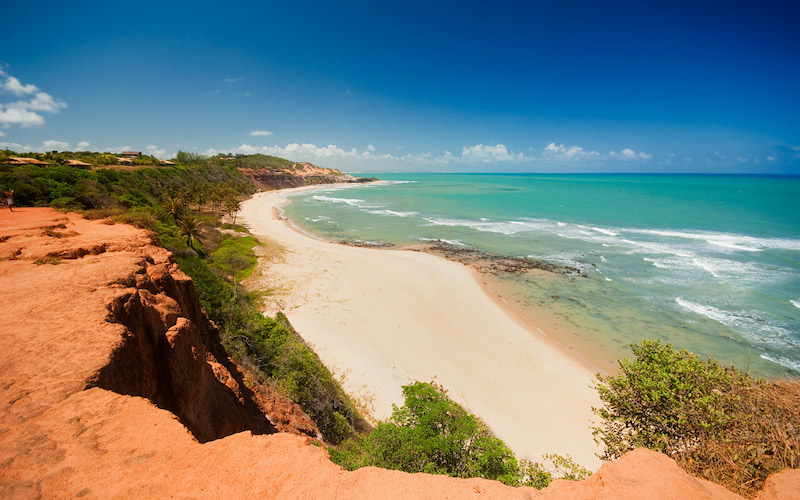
708 263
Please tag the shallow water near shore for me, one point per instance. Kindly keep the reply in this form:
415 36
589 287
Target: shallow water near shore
707 263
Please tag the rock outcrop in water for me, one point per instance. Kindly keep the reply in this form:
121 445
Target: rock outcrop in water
113 384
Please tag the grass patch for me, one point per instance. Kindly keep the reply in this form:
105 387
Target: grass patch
48 259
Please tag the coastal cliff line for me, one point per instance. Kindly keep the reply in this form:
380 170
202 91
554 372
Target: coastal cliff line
113 383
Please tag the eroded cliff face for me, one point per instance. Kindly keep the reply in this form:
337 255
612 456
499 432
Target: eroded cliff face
148 335
266 179
113 383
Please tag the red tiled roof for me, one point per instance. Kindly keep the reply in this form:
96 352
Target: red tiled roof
21 160
78 163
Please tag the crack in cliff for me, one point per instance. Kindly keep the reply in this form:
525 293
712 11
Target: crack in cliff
169 353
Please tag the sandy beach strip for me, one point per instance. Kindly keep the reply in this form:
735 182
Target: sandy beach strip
382 318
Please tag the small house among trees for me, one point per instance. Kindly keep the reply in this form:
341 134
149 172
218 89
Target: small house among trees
131 154
78 163
22 160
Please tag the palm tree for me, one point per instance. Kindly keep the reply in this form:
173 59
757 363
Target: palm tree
173 205
189 227
233 206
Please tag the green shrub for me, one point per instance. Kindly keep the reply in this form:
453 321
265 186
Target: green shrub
431 433
664 400
65 203
715 421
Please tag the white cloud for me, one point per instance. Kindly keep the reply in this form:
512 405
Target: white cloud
576 153
14 86
57 145
306 152
229 80
629 154
28 148
486 154
19 116
370 147
563 153
115 149
2 133
22 112
83 146
771 158
262 133
155 150
16 147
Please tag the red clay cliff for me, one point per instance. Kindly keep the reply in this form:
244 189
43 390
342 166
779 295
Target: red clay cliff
113 383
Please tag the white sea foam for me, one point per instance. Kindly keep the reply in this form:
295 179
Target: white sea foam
731 245
402 182
658 248
350 201
795 303
727 240
392 213
663 263
508 228
792 364
747 325
605 231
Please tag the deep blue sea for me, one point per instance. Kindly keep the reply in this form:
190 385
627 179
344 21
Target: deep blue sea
707 263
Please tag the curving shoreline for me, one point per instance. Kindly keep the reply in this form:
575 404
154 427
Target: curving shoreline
381 318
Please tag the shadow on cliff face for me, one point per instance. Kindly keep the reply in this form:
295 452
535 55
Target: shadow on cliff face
170 353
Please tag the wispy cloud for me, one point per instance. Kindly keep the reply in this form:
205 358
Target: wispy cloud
554 152
563 153
262 133
629 154
83 146
230 80
475 154
55 145
48 145
153 150
489 154
24 112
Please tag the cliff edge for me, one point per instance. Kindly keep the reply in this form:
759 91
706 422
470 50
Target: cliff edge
113 383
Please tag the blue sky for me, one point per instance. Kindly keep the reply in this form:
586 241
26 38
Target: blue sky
422 86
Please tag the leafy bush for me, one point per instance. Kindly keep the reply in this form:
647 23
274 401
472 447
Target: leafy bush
431 433
715 421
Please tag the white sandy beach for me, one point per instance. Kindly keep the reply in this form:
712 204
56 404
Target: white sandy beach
383 318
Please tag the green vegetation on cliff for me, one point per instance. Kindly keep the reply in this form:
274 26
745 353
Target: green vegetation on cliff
270 347
431 433
715 421
181 204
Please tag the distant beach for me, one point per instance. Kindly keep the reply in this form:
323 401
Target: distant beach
381 318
